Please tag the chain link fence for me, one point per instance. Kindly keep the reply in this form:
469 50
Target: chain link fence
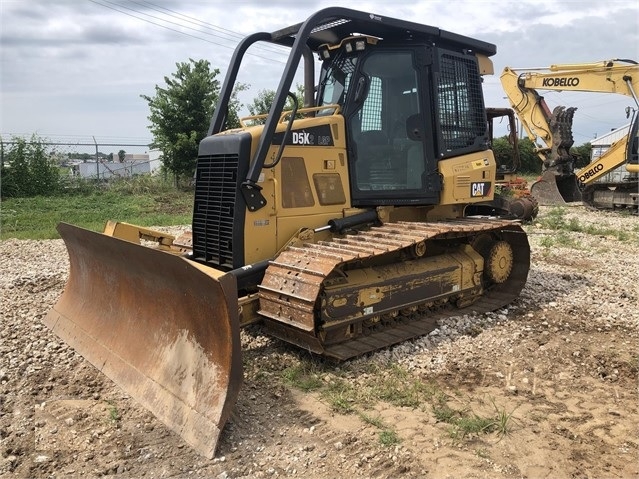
88 159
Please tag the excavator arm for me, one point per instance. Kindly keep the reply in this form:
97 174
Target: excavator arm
551 131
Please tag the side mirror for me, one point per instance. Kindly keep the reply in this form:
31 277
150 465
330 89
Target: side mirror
361 88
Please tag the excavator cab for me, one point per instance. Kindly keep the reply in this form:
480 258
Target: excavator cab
632 149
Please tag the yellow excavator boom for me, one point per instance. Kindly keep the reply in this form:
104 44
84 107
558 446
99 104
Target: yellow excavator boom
560 182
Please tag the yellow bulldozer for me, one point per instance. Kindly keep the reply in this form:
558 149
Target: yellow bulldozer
342 225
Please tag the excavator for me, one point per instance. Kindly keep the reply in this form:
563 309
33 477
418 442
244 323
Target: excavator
560 183
342 225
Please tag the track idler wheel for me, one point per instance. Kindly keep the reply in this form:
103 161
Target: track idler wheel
498 257
499 262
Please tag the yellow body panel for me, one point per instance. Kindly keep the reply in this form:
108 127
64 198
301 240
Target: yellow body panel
294 200
469 178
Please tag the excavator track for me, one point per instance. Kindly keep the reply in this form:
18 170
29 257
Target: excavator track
614 195
311 295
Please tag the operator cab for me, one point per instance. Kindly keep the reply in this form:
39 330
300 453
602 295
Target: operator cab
406 106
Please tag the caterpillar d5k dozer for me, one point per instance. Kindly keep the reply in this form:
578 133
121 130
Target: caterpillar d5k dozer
344 225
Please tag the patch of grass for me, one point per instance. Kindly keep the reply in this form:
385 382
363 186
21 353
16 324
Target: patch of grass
443 412
400 388
556 220
304 376
387 436
340 396
465 423
561 238
114 414
37 217
503 420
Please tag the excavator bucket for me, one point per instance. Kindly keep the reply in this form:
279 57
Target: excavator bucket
162 328
554 189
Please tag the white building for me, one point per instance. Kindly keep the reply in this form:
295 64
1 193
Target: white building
133 164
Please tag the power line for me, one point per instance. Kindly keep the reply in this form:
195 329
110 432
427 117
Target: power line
235 36
55 143
73 139
158 24
172 29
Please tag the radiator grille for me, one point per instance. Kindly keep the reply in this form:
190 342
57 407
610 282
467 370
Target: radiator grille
214 209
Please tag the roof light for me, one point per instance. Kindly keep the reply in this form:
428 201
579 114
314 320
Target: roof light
325 54
360 45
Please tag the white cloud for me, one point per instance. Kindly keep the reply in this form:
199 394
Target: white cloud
79 67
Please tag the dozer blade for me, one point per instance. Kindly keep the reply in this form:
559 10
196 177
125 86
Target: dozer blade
554 189
159 326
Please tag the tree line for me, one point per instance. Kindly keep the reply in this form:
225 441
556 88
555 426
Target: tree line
180 113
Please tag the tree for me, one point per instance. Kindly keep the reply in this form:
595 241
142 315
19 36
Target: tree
262 102
581 154
181 114
503 150
29 169
264 99
529 161
121 155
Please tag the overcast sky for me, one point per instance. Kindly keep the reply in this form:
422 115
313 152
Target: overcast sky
75 69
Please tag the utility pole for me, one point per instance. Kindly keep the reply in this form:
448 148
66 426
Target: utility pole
97 163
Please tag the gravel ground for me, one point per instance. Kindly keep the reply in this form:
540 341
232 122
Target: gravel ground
562 358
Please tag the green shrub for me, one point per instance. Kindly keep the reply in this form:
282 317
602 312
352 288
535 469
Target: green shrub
28 169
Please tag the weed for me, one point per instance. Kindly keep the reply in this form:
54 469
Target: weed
303 376
373 421
473 425
464 423
482 453
503 420
444 413
388 437
547 242
564 239
554 220
340 396
400 388
114 414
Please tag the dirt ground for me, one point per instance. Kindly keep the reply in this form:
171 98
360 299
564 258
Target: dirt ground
561 363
